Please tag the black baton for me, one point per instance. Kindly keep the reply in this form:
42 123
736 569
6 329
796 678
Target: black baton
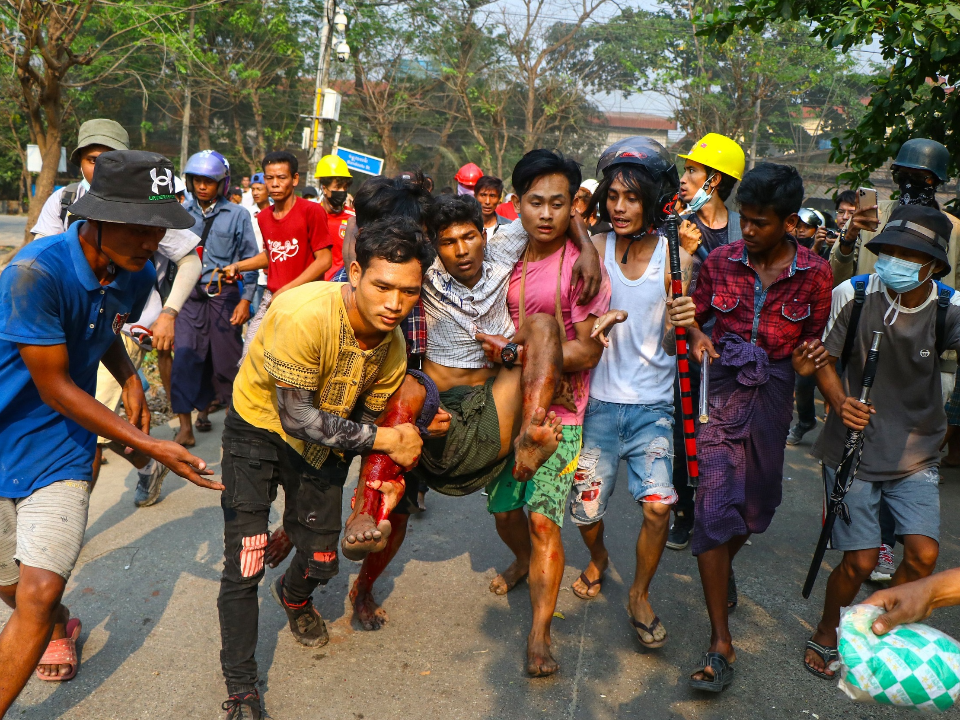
851 453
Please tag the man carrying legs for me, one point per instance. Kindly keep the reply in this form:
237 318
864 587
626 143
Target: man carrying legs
323 365
63 302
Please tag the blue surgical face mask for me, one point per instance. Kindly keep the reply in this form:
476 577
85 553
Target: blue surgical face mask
899 276
701 197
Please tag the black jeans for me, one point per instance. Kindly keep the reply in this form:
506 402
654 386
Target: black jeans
685 491
806 409
255 462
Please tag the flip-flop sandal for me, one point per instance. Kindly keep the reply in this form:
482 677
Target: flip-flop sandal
62 652
589 584
203 425
732 598
829 655
722 673
649 631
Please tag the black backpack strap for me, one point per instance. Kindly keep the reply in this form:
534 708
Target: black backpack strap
67 198
207 224
944 293
859 296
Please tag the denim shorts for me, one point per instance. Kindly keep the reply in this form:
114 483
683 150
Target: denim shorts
642 435
914 502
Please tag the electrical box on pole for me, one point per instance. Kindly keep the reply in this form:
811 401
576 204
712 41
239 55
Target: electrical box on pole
330 105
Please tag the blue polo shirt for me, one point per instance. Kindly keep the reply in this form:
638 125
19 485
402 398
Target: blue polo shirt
50 296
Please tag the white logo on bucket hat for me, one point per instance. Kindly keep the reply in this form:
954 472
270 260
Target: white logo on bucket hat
165 180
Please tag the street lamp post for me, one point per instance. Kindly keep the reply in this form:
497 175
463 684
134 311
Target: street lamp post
323 72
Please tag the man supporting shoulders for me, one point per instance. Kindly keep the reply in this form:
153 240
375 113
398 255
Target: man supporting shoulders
541 283
63 302
328 359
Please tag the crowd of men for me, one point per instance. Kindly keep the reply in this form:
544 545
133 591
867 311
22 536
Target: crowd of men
519 345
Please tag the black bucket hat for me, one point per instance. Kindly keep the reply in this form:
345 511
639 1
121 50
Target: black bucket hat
917 227
133 187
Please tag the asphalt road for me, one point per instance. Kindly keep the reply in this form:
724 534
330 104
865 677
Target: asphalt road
11 230
147 581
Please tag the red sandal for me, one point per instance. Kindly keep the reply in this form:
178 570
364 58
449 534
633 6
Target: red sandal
62 652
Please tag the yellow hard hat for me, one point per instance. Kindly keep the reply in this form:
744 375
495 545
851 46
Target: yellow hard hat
332 166
720 153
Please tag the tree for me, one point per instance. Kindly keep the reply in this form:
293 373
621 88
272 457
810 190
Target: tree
761 88
540 50
69 45
920 43
391 86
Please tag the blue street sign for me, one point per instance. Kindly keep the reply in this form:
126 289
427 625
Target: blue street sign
361 162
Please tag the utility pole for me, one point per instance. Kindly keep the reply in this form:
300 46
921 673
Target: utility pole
323 62
185 132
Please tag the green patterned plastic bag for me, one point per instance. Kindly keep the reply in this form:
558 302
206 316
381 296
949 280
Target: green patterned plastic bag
911 666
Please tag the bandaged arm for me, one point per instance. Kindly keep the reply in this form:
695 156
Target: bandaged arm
189 268
302 420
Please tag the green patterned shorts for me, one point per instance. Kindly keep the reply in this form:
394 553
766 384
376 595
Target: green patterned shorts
547 492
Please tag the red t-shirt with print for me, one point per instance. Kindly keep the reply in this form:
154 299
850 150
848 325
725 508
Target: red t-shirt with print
337 228
290 243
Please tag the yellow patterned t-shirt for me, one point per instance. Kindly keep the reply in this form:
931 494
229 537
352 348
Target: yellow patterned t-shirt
305 340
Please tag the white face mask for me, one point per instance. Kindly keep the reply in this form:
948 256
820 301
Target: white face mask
701 198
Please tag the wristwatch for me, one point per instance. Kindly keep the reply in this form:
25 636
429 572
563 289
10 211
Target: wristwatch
509 355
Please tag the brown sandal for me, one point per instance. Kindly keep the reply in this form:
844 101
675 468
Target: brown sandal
589 584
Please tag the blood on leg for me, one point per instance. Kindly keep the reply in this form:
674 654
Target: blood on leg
381 483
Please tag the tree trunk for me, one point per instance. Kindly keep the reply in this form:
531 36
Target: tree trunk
389 144
49 140
756 132
529 138
261 148
203 121
185 129
238 137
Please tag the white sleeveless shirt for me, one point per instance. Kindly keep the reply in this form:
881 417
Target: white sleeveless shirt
635 369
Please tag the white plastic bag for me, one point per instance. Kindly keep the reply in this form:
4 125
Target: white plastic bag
911 666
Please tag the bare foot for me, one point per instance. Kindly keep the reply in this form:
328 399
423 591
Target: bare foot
362 536
508 579
278 547
185 437
421 501
535 443
540 662
59 632
593 573
369 612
